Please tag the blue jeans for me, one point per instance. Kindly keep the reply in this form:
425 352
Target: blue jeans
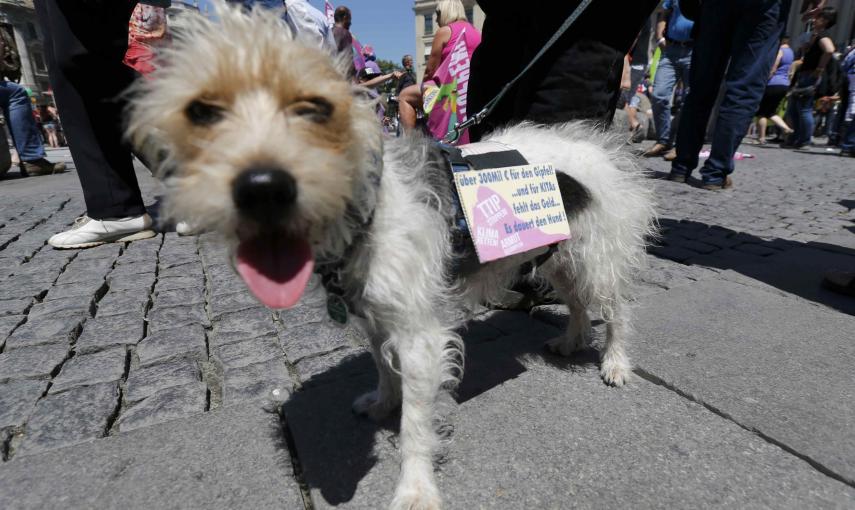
745 34
800 110
22 125
848 143
673 65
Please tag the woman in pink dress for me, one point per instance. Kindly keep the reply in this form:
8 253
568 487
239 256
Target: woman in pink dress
454 32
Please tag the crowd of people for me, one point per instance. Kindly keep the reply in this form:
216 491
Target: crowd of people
95 51
807 92
29 124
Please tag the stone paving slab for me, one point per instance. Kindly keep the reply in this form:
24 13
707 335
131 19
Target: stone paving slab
774 363
17 399
233 458
168 344
74 416
87 369
843 242
165 405
800 271
544 433
31 362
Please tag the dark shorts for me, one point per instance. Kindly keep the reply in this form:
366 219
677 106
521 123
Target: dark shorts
771 100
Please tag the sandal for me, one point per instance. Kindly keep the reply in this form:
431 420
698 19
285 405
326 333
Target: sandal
842 282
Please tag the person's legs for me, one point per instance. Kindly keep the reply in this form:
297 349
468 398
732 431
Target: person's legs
781 124
663 92
22 125
709 61
808 119
407 101
754 45
803 113
53 140
847 142
683 70
795 119
85 43
762 122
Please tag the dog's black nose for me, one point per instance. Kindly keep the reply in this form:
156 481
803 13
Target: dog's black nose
263 193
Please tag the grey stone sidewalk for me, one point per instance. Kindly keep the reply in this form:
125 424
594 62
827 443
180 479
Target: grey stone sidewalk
145 376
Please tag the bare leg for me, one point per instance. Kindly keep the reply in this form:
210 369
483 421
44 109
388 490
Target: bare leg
632 115
781 124
761 129
408 101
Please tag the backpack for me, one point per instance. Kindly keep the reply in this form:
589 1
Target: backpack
10 59
833 79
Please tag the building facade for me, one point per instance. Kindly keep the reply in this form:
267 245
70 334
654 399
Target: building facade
426 25
18 17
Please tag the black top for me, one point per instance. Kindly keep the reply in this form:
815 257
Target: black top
578 78
343 39
813 54
641 51
406 80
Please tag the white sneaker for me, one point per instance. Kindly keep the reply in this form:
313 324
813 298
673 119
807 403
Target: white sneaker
87 232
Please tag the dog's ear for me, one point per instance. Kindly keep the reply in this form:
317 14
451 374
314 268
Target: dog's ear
575 196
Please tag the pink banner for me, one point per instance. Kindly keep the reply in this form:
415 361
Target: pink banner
330 12
358 59
452 78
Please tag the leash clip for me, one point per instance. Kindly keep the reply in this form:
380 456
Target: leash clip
458 130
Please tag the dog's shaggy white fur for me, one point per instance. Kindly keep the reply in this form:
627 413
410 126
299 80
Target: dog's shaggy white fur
241 92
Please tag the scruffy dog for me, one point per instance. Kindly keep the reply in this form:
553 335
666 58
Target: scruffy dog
274 149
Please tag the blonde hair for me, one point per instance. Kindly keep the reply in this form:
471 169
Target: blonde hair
450 11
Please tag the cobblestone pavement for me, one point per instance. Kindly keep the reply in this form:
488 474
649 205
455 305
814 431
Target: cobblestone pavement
126 340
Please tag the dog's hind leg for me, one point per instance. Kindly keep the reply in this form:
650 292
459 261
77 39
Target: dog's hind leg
615 368
377 404
578 334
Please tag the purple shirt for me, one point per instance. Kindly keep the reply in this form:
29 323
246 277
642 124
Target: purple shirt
782 73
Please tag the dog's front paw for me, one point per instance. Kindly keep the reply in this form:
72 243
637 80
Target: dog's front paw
373 406
563 346
615 370
422 496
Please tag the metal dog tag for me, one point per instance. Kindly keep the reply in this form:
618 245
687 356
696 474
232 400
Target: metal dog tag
337 309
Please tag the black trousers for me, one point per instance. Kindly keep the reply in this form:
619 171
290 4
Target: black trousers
85 43
579 78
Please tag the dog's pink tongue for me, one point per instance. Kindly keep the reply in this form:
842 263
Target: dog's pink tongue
275 270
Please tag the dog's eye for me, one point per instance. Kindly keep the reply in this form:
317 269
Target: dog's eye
315 109
203 114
